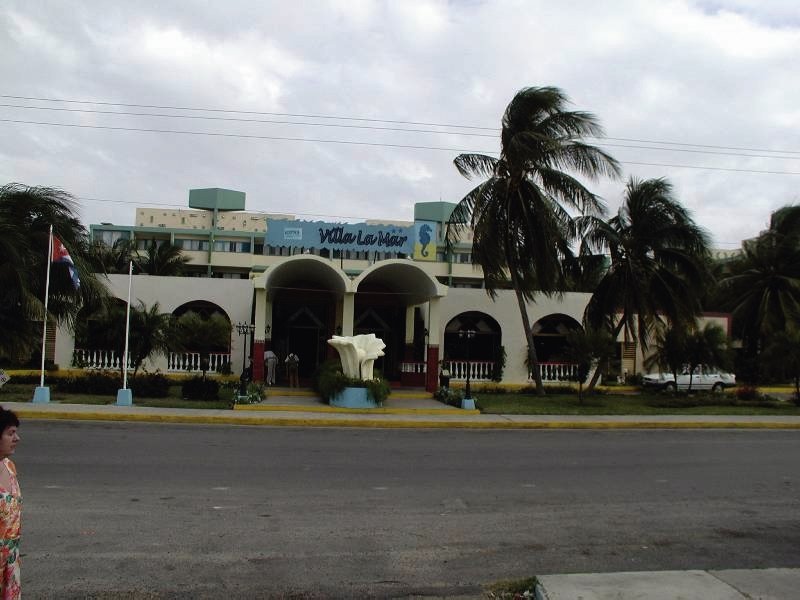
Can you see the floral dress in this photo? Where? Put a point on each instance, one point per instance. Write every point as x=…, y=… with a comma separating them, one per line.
x=10, y=522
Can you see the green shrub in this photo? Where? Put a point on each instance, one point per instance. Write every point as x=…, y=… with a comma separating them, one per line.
x=197, y=388
x=150, y=385
x=449, y=396
x=101, y=383
x=329, y=381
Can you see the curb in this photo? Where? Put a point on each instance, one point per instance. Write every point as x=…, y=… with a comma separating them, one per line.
x=354, y=411
x=383, y=424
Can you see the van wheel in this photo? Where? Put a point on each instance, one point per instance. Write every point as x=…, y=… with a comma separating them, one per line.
x=670, y=387
x=718, y=388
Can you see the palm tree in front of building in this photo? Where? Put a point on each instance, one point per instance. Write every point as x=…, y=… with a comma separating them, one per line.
x=762, y=287
x=658, y=265
x=521, y=214
x=26, y=214
x=161, y=259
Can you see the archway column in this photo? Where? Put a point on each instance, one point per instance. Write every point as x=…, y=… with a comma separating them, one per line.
x=434, y=327
x=348, y=311
x=259, y=340
x=409, y=341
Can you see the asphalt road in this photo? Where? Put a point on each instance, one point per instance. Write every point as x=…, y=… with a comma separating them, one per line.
x=130, y=510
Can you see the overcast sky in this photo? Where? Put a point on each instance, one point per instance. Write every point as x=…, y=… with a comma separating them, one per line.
x=720, y=78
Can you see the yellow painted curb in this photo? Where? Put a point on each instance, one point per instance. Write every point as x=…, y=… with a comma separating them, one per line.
x=354, y=411
x=383, y=424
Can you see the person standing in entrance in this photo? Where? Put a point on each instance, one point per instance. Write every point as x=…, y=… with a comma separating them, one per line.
x=10, y=508
x=292, y=366
x=271, y=360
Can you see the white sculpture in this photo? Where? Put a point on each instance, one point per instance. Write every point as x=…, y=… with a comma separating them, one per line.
x=358, y=354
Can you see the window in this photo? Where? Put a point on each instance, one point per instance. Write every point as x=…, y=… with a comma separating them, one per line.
x=109, y=238
x=192, y=244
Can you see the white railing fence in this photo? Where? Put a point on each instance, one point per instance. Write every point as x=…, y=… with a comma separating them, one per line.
x=182, y=362
x=413, y=367
x=479, y=370
x=177, y=362
x=98, y=359
x=553, y=372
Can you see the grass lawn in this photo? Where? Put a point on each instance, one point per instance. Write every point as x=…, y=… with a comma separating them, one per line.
x=629, y=404
x=23, y=392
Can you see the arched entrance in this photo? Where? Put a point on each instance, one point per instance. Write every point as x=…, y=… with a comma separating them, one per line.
x=205, y=343
x=304, y=293
x=549, y=339
x=386, y=301
x=484, y=350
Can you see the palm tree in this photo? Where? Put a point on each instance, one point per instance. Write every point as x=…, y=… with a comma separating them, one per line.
x=161, y=259
x=26, y=214
x=670, y=351
x=520, y=216
x=658, y=264
x=149, y=332
x=586, y=349
x=782, y=356
x=706, y=346
x=762, y=287
x=113, y=259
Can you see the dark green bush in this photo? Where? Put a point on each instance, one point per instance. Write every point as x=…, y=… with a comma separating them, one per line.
x=198, y=388
x=101, y=383
x=329, y=381
x=150, y=385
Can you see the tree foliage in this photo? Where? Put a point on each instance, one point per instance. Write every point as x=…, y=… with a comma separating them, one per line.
x=658, y=264
x=149, y=331
x=26, y=214
x=521, y=214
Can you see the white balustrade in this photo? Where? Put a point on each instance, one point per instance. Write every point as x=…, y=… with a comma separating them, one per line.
x=183, y=362
x=479, y=370
x=413, y=367
x=553, y=372
x=177, y=362
x=98, y=359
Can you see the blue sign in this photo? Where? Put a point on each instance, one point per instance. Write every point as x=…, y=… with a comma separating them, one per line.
x=340, y=236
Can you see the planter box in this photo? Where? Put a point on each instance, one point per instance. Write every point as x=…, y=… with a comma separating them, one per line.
x=353, y=397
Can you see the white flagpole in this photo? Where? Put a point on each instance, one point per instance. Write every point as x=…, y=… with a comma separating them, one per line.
x=127, y=328
x=46, y=298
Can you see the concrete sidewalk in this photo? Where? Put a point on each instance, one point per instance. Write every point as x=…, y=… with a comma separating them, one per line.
x=403, y=409
x=732, y=584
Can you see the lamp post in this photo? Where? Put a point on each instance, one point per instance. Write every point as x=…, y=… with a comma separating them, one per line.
x=244, y=329
x=467, y=402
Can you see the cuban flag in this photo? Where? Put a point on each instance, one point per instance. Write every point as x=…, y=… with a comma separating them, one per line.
x=61, y=255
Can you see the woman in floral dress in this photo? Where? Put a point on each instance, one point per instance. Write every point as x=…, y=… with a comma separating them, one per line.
x=10, y=508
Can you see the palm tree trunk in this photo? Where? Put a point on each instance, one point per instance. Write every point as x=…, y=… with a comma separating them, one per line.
x=533, y=360
x=596, y=374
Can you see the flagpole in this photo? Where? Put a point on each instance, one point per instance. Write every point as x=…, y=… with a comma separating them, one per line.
x=42, y=394
x=127, y=326
x=124, y=396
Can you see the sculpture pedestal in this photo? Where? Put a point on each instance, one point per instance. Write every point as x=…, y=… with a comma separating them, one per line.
x=353, y=397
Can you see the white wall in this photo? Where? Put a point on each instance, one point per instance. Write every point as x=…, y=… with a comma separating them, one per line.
x=505, y=310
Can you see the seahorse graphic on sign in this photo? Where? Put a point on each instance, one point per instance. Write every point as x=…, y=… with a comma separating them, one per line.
x=425, y=238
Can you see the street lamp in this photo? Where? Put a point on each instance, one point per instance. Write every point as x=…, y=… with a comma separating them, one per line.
x=244, y=329
x=467, y=335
